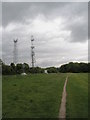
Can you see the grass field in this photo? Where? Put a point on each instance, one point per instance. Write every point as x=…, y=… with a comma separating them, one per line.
x=0, y=96
x=77, y=96
x=37, y=95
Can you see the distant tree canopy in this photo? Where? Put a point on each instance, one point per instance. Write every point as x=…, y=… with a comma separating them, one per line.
x=52, y=70
x=75, y=67
x=0, y=66
x=36, y=70
x=13, y=69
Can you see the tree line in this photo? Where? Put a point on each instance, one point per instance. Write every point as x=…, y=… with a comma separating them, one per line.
x=19, y=68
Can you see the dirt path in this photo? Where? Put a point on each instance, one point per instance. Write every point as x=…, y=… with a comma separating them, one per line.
x=62, y=111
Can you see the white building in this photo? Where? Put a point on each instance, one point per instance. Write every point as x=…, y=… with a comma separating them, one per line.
x=45, y=71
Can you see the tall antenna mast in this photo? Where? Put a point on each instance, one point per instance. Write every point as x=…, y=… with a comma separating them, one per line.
x=32, y=51
x=15, y=51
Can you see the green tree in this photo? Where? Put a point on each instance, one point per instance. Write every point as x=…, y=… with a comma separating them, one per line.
x=19, y=68
x=52, y=70
x=26, y=68
x=36, y=70
x=13, y=68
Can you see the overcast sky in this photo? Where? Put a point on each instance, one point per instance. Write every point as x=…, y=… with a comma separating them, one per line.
x=60, y=31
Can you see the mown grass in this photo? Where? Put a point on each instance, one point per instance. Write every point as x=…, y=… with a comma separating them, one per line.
x=32, y=96
x=0, y=96
x=77, y=95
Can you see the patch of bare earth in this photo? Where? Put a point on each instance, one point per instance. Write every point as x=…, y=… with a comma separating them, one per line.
x=62, y=111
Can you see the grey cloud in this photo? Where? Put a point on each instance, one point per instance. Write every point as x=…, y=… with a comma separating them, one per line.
x=48, y=52
x=79, y=30
x=77, y=21
x=0, y=13
x=80, y=33
x=13, y=12
x=19, y=12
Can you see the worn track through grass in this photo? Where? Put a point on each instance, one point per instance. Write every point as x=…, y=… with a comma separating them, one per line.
x=62, y=112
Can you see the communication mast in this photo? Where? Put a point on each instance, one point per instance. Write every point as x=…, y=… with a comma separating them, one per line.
x=15, y=51
x=32, y=51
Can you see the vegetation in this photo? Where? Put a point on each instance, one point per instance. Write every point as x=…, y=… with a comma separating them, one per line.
x=77, y=96
x=75, y=67
x=13, y=69
x=37, y=95
x=36, y=70
x=52, y=70
x=0, y=96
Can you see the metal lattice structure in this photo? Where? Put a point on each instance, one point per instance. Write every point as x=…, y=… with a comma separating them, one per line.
x=32, y=51
x=15, y=51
